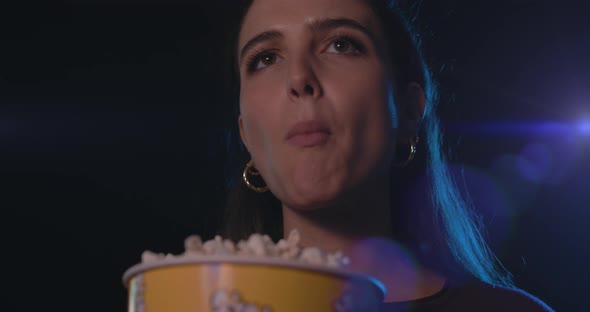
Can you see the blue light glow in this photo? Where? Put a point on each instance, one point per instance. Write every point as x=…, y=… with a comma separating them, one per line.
x=523, y=128
x=584, y=127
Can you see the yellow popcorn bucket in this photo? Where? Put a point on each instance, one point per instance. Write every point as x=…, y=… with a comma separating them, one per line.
x=230, y=283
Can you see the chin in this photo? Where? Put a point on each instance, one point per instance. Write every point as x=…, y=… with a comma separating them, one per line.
x=309, y=205
x=312, y=198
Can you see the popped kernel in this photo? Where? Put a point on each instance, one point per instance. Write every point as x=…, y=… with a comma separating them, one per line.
x=193, y=243
x=148, y=256
x=312, y=255
x=257, y=245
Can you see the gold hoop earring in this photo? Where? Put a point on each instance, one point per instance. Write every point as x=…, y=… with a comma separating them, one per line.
x=413, y=143
x=250, y=169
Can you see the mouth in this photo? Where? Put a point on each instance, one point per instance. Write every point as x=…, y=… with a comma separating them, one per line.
x=308, y=133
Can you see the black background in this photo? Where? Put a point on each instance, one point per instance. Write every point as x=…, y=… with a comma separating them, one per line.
x=111, y=139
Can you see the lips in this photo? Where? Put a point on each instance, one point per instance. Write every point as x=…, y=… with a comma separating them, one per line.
x=308, y=133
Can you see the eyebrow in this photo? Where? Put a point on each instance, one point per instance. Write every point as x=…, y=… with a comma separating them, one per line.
x=317, y=25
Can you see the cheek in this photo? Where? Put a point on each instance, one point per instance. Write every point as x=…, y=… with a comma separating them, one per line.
x=369, y=104
x=371, y=112
x=259, y=116
x=368, y=93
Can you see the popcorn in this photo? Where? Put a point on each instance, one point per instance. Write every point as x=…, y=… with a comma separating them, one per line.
x=312, y=255
x=337, y=259
x=257, y=245
x=229, y=246
x=294, y=238
x=193, y=244
x=148, y=256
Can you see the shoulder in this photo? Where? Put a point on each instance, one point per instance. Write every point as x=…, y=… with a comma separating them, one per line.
x=487, y=297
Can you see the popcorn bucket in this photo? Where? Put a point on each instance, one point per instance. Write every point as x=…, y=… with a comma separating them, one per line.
x=213, y=283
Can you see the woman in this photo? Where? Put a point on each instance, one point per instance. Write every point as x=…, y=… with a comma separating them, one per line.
x=334, y=103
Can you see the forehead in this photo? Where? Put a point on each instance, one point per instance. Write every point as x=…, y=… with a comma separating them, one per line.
x=285, y=15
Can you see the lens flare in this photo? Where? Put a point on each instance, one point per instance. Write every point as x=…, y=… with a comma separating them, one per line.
x=584, y=127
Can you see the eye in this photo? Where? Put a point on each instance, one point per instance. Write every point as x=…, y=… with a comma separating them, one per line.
x=345, y=44
x=260, y=60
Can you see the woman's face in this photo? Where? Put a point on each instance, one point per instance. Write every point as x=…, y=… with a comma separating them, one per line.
x=315, y=68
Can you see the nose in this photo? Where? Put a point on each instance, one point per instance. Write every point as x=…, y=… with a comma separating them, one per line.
x=303, y=81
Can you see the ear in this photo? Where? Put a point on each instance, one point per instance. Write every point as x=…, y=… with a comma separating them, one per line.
x=413, y=105
x=242, y=133
x=416, y=100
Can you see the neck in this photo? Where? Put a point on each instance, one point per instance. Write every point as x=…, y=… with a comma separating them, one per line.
x=360, y=214
x=360, y=226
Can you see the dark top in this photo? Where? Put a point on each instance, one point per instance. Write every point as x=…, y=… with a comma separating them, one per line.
x=472, y=296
